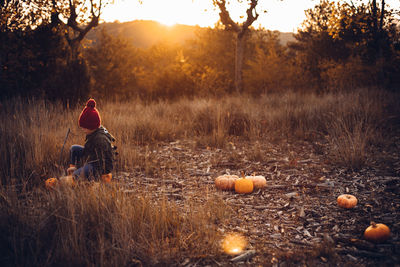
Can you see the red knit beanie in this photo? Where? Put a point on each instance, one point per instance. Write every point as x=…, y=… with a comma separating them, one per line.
x=90, y=117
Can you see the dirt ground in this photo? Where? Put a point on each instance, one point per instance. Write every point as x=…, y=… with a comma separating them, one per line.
x=295, y=220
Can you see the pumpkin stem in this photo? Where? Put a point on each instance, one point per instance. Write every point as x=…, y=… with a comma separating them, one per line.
x=242, y=174
x=373, y=224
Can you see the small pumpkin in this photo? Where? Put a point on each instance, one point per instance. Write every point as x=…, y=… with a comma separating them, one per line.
x=258, y=181
x=377, y=232
x=244, y=185
x=347, y=201
x=106, y=178
x=226, y=182
x=51, y=183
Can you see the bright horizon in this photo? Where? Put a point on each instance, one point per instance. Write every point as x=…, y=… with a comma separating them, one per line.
x=284, y=16
x=202, y=12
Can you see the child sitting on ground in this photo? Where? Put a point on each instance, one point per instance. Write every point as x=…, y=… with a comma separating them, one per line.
x=94, y=160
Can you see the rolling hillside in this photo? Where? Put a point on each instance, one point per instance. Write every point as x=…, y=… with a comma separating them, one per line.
x=145, y=33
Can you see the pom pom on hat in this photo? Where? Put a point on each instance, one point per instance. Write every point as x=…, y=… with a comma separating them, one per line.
x=91, y=103
x=90, y=117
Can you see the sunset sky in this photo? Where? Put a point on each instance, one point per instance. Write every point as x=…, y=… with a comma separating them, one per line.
x=285, y=16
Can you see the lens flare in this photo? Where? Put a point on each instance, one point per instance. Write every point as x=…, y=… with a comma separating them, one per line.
x=234, y=243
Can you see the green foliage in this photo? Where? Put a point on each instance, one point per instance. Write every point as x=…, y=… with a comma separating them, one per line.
x=33, y=64
x=37, y=56
x=22, y=15
x=356, y=41
x=339, y=47
x=164, y=73
x=166, y=70
x=113, y=62
x=268, y=66
x=211, y=55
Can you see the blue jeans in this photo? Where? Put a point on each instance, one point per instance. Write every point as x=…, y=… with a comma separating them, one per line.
x=86, y=171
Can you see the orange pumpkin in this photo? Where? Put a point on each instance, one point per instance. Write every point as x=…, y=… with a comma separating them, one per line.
x=244, y=186
x=258, y=181
x=377, y=232
x=51, y=183
x=226, y=182
x=106, y=178
x=347, y=201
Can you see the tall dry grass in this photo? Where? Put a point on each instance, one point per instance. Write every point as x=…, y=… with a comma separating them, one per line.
x=107, y=227
x=351, y=123
x=97, y=225
x=357, y=126
x=32, y=131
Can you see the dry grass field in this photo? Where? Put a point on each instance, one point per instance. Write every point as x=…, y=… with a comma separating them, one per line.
x=145, y=218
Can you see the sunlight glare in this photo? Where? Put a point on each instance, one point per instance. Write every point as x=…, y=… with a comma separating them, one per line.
x=284, y=16
x=204, y=14
x=165, y=12
x=234, y=243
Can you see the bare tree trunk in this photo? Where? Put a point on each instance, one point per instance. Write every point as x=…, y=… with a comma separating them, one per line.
x=74, y=32
x=239, y=63
x=73, y=51
x=240, y=31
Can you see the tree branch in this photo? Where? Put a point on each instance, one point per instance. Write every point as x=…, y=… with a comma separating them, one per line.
x=72, y=17
x=54, y=14
x=74, y=24
x=227, y=21
x=250, y=16
x=225, y=17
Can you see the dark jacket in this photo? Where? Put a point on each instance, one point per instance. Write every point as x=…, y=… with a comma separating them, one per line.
x=98, y=151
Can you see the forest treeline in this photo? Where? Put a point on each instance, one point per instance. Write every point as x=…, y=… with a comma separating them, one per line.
x=339, y=47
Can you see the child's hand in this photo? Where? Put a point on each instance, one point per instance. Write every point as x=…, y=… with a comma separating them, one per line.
x=71, y=170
